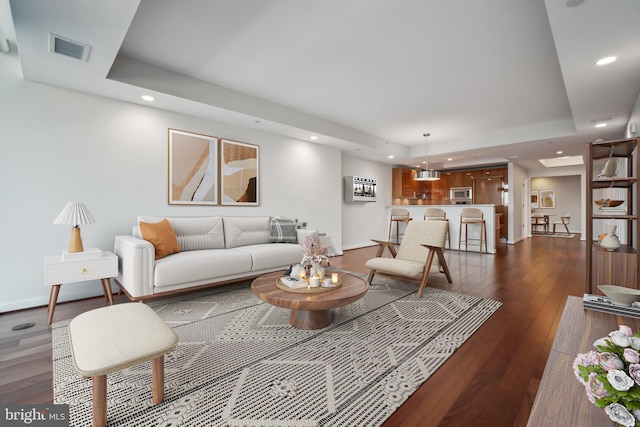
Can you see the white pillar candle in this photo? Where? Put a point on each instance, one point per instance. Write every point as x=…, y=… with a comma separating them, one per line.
x=334, y=278
x=314, y=281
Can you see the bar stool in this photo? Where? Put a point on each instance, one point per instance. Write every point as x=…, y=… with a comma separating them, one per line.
x=398, y=216
x=437, y=214
x=472, y=216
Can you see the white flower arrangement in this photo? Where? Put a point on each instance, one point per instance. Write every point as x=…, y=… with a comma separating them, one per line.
x=611, y=375
x=313, y=251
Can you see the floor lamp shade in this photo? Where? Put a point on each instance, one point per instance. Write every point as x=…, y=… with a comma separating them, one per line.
x=74, y=214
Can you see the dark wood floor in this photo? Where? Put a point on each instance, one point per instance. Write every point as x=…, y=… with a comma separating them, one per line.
x=490, y=381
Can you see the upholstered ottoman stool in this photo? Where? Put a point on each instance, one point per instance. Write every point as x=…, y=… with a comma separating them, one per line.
x=116, y=337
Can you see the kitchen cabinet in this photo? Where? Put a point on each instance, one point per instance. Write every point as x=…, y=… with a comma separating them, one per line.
x=403, y=184
x=619, y=267
x=459, y=179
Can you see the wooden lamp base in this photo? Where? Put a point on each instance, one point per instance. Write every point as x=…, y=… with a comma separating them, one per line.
x=75, y=245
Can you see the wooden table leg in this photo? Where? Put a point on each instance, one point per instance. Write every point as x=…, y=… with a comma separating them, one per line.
x=53, y=298
x=100, y=401
x=106, y=286
x=310, y=319
x=157, y=379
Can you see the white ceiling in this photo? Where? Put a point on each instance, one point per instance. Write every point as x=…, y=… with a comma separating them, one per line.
x=492, y=81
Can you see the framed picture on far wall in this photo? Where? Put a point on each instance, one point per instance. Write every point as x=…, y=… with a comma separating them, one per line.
x=240, y=173
x=548, y=199
x=193, y=168
x=534, y=199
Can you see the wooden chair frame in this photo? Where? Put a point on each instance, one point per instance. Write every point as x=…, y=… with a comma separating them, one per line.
x=433, y=251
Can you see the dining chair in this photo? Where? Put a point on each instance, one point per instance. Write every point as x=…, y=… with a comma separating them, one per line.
x=564, y=220
x=538, y=221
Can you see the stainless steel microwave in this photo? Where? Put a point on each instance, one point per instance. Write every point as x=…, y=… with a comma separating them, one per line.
x=460, y=194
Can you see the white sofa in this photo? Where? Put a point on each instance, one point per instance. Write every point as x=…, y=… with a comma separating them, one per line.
x=213, y=250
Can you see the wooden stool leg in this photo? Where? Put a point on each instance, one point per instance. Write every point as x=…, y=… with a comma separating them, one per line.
x=484, y=227
x=466, y=237
x=99, y=401
x=157, y=381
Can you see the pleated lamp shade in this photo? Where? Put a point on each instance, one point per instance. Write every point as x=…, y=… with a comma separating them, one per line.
x=74, y=214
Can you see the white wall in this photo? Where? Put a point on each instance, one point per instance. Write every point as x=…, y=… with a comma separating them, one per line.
x=518, y=186
x=575, y=201
x=634, y=118
x=569, y=199
x=366, y=220
x=59, y=146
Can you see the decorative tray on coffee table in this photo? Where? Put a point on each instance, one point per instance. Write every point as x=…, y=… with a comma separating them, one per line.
x=307, y=289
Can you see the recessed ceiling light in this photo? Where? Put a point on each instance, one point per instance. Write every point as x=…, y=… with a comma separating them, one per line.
x=148, y=98
x=559, y=152
x=313, y=137
x=391, y=156
x=601, y=125
x=449, y=159
x=606, y=60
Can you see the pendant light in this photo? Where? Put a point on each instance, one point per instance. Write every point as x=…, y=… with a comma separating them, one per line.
x=426, y=174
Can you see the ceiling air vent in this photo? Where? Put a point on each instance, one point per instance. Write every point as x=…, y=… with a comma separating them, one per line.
x=68, y=47
x=574, y=3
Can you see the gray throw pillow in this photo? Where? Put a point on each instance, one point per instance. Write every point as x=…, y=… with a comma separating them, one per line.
x=282, y=230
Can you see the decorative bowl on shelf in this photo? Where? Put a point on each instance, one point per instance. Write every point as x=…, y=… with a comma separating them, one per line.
x=620, y=295
x=608, y=203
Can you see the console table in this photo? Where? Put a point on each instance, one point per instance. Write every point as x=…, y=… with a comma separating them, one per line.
x=561, y=399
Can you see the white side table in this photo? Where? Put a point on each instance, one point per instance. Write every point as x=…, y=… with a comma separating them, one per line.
x=58, y=270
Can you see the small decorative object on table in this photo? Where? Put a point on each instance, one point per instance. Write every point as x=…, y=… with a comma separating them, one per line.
x=620, y=295
x=610, y=242
x=611, y=375
x=609, y=169
x=608, y=203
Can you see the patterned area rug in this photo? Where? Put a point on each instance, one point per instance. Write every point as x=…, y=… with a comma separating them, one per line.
x=564, y=235
x=240, y=363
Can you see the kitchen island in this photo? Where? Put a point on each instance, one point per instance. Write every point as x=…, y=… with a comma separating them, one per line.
x=453, y=215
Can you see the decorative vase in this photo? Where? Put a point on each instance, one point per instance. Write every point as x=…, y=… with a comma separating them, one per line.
x=317, y=270
x=610, y=242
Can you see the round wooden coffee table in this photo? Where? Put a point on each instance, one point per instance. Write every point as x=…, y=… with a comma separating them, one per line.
x=309, y=310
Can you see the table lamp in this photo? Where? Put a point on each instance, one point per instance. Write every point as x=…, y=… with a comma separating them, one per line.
x=75, y=213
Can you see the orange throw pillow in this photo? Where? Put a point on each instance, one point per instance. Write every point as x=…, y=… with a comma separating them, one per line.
x=161, y=236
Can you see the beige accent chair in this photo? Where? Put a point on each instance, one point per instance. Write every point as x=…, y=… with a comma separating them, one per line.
x=414, y=259
x=472, y=216
x=398, y=215
x=564, y=220
x=437, y=214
